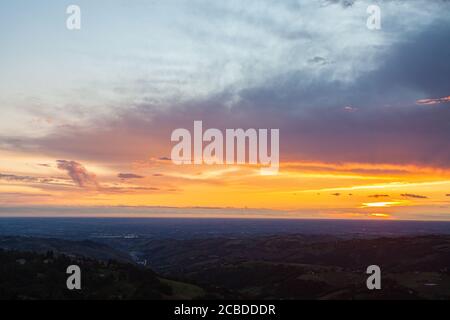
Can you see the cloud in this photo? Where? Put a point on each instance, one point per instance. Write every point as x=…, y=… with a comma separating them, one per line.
x=13, y=177
x=129, y=176
x=388, y=127
x=350, y=109
x=336, y=194
x=128, y=189
x=31, y=179
x=318, y=60
x=77, y=173
x=416, y=196
x=432, y=101
x=379, y=196
x=343, y=3
x=47, y=165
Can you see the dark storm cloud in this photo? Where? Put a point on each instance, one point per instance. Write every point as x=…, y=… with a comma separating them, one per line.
x=420, y=63
x=388, y=126
x=417, y=67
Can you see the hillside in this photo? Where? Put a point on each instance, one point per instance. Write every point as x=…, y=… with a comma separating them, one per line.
x=308, y=267
x=33, y=276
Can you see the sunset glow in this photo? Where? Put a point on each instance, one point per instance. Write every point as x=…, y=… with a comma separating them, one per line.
x=87, y=119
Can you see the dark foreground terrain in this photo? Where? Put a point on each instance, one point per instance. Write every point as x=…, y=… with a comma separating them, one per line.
x=267, y=267
x=32, y=276
x=125, y=264
x=309, y=267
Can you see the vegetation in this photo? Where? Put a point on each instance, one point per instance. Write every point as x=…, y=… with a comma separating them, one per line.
x=26, y=275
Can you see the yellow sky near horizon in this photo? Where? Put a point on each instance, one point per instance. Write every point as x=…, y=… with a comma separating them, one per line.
x=312, y=189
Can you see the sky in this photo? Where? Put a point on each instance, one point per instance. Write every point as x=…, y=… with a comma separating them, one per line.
x=87, y=115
